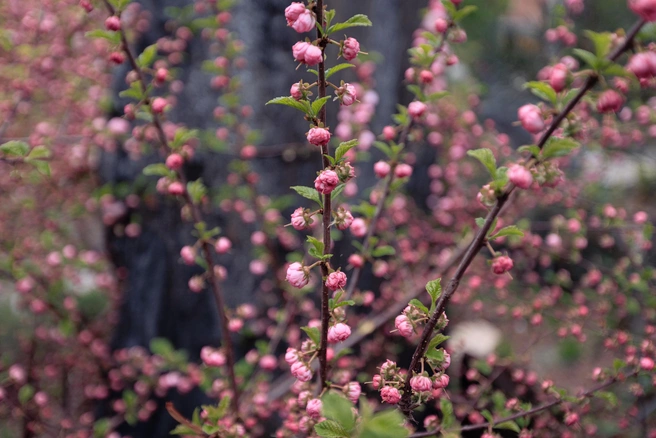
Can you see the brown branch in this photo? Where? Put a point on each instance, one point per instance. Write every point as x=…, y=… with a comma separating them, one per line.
x=479, y=239
x=206, y=248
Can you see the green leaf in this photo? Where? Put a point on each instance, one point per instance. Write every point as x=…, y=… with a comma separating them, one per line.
x=384, y=147
x=559, y=147
x=436, y=341
x=464, y=12
x=161, y=346
x=308, y=192
x=338, y=408
x=434, y=289
x=386, y=424
x=509, y=425
x=436, y=96
x=38, y=153
x=510, y=230
x=384, y=250
x=337, y=68
x=447, y=413
x=197, y=190
x=301, y=105
x=313, y=334
x=43, y=167
x=181, y=429
x=15, y=148
x=588, y=57
x=356, y=20
x=480, y=221
x=602, y=42
x=608, y=396
x=330, y=429
x=112, y=37
x=147, y=57
x=614, y=69
x=134, y=92
x=418, y=304
x=343, y=148
x=542, y=90
x=486, y=157
x=318, y=245
x=157, y=169
x=532, y=148
x=25, y=394
x=318, y=104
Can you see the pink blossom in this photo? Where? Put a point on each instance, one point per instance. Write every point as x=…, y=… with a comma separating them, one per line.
x=338, y=333
x=356, y=260
x=403, y=170
x=646, y=9
x=113, y=23
x=390, y=395
x=296, y=91
x=305, y=22
x=318, y=136
x=268, y=362
x=291, y=356
x=313, y=408
x=441, y=25
x=571, y=419
x=404, y=326
x=336, y=280
x=313, y=55
x=502, y=264
x=520, y=176
x=441, y=382
x=416, y=109
x=389, y=133
x=643, y=65
x=326, y=182
x=222, y=245
x=301, y=371
x=188, y=255
x=353, y=391
x=531, y=118
x=640, y=217
x=358, y=227
x=176, y=188
x=297, y=275
x=350, y=49
x=558, y=77
x=381, y=169
x=647, y=363
x=610, y=101
x=299, y=49
x=293, y=11
x=212, y=357
x=159, y=104
x=196, y=283
x=347, y=94
x=174, y=161
x=299, y=220
x=343, y=218
x=421, y=383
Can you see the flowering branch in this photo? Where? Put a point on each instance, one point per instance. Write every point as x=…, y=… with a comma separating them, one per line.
x=480, y=238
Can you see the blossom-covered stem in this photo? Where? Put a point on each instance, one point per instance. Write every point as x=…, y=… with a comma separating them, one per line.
x=327, y=212
x=543, y=407
x=226, y=341
x=479, y=239
x=355, y=276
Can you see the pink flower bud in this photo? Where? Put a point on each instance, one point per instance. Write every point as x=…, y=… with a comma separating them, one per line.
x=113, y=23
x=159, y=104
x=610, y=101
x=350, y=49
x=421, y=383
x=293, y=11
x=161, y=75
x=212, y=357
x=291, y=356
x=390, y=395
x=318, y=136
x=520, y=176
x=381, y=169
x=196, y=284
x=647, y=363
x=416, y=109
x=313, y=55
x=117, y=57
x=336, y=280
x=296, y=91
x=646, y=9
x=404, y=326
x=343, y=219
x=338, y=333
x=531, y=118
x=299, y=49
x=174, y=161
x=571, y=419
x=176, y=188
x=188, y=255
x=441, y=382
x=502, y=264
x=441, y=25
x=389, y=133
x=643, y=65
x=299, y=219
x=297, y=275
x=326, y=182
x=222, y=245
x=558, y=78
x=356, y=260
x=403, y=170
x=313, y=408
x=358, y=227
x=301, y=372
x=305, y=22
x=347, y=94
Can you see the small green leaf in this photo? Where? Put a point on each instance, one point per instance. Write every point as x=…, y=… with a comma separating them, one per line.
x=330, y=429
x=25, y=394
x=614, y=69
x=532, y=148
x=559, y=147
x=384, y=147
x=464, y=12
x=15, y=148
x=356, y=20
x=181, y=429
x=588, y=57
x=318, y=104
x=447, y=413
x=419, y=305
x=543, y=91
x=608, y=396
x=343, y=148
x=308, y=192
x=112, y=37
x=480, y=221
x=510, y=230
x=301, y=105
x=602, y=42
x=38, y=153
x=313, y=334
x=318, y=245
x=434, y=289
x=436, y=341
x=157, y=169
x=509, y=425
x=161, y=346
x=486, y=157
x=147, y=57
x=196, y=190
x=336, y=407
x=43, y=167
x=386, y=424
x=337, y=68
x=384, y=250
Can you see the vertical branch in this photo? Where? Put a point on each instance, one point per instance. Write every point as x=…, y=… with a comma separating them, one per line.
x=327, y=209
